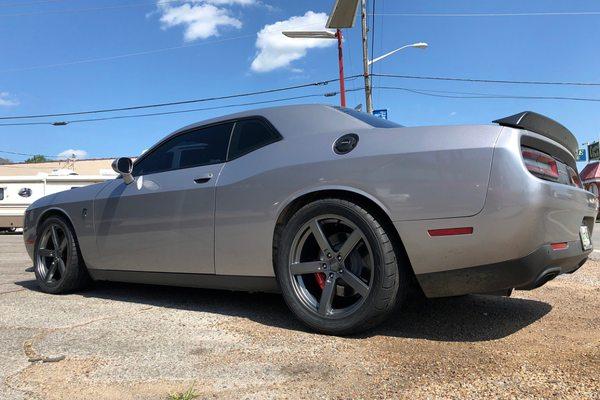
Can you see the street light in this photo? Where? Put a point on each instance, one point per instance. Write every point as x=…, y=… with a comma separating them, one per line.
x=310, y=34
x=342, y=16
x=368, y=64
x=419, y=45
x=326, y=35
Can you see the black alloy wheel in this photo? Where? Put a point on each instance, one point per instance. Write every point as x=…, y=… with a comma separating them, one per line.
x=337, y=268
x=59, y=267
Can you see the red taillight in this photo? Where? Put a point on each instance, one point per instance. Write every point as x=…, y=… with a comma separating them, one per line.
x=559, y=246
x=574, y=178
x=540, y=164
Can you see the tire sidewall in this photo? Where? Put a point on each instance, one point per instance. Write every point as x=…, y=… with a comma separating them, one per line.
x=368, y=309
x=72, y=257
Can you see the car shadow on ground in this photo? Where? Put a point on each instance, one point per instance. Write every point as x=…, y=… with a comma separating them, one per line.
x=470, y=318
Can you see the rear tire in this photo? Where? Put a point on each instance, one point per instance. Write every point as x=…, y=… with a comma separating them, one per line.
x=345, y=278
x=58, y=264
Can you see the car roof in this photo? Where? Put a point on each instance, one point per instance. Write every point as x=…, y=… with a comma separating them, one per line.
x=258, y=112
x=291, y=120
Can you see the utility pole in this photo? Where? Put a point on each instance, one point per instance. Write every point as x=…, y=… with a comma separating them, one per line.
x=338, y=35
x=365, y=46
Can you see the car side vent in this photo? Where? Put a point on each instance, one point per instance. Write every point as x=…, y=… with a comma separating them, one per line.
x=346, y=143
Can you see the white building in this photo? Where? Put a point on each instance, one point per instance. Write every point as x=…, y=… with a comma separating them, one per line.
x=22, y=184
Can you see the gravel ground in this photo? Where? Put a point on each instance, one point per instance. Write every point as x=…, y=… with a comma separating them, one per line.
x=142, y=342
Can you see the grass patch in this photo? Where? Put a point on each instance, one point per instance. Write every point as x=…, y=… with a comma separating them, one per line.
x=189, y=394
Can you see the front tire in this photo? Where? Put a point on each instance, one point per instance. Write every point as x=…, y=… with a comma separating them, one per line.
x=337, y=267
x=58, y=265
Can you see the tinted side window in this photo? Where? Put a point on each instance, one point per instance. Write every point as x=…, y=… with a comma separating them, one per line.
x=202, y=146
x=1, y=193
x=249, y=135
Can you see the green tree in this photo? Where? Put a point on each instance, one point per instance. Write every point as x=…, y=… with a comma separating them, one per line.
x=5, y=161
x=38, y=158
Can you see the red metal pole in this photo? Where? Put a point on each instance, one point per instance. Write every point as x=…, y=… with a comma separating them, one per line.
x=338, y=33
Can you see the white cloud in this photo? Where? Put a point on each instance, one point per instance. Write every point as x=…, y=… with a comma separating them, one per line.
x=231, y=2
x=73, y=153
x=201, y=19
x=6, y=100
x=277, y=51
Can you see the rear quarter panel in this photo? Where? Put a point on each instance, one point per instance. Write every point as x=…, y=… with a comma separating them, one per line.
x=521, y=213
x=413, y=173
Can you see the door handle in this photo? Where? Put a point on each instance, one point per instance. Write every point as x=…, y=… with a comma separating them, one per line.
x=204, y=178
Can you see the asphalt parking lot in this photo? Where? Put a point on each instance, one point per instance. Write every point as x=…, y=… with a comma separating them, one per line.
x=123, y=341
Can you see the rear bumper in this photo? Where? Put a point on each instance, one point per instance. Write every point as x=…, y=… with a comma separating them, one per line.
x=524, y=273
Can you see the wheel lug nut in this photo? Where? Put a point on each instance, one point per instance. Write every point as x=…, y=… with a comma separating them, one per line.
x=328, y=255
x=331, y=275
x=324, y=266
x=339, y=257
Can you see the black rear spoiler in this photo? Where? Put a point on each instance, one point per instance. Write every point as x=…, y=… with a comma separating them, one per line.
x=543, y=125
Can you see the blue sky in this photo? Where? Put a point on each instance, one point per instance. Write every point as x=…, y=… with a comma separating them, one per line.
x=217, y=52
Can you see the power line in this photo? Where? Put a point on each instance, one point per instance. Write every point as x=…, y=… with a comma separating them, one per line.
x=209, y=108
x=425, y=92
x=136, y=53
x=372, y=35
x=174, y=103
x=30, y=3
x=25, y=154
x=125, y=55
x=24, y=123
x=471, y=15
x=147, y=3
x=381, y=35
x=476, y=95
x=90, y=9
x=329, y=94
x=515, y=82
x=320, y=83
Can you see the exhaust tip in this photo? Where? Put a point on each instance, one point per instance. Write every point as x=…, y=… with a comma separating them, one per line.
x=546, y=277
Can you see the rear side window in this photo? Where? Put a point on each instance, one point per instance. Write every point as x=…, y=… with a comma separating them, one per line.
x=1, y=193
x=204, y=146
x=249, y=135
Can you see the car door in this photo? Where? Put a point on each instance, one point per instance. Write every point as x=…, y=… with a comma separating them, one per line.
x=243, y=223
x=164, y=220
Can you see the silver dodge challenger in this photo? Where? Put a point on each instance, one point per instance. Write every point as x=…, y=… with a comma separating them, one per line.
x=339, y=211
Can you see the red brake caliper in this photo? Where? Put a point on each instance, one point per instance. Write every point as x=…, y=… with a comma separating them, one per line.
x=320, y=278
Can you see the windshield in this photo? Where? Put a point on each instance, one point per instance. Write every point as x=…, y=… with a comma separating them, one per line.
x=369, y=119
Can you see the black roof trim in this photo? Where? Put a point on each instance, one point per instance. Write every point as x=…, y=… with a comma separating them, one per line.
x=543, y=125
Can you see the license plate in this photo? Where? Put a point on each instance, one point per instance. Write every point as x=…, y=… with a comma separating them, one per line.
x=584, y=233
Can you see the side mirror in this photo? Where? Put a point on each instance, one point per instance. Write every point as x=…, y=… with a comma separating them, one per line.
x=124, y=166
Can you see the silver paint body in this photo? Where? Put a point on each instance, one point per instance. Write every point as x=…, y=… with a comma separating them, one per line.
x=422, y=178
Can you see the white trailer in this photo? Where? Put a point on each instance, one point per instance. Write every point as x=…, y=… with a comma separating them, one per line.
x=18, y=192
